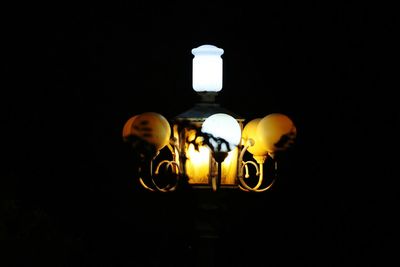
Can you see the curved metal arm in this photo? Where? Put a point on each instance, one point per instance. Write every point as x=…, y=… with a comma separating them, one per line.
x=260, y=173
x=247, y=175
x=145, y=185
x=142, y=182
x=240, y=170
x=169, y=164
x=243, y=184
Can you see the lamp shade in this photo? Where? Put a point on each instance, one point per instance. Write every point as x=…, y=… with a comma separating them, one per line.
x=276, y=132
x=149, y=126
x=221, y=125
x=250, y=133
x=207, y=68
x=127, y=130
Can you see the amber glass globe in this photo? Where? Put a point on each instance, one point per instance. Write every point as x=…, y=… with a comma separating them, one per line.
x=276, y=132
x=149, y=126
x=250, y=133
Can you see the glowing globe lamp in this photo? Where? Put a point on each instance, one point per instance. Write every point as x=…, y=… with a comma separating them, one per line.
x=151, y=127
x=222, y=126
x=250, y=137
x=276, y=132
x=207, y=68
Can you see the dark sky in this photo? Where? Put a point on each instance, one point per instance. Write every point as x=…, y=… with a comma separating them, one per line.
x=78, y=71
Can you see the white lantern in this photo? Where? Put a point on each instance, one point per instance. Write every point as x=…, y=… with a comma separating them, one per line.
x=223, y=126
x=207, y=68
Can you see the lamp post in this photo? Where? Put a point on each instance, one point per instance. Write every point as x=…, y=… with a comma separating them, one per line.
x=208, y=146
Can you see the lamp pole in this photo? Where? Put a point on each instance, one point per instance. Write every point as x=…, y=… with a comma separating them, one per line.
x=209, y=227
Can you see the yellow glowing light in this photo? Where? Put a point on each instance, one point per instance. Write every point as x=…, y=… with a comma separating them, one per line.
x=150, y=126
x=198, y=164
x=127, y=130
x=250, y=132
x=276, y=132
x=229, y=168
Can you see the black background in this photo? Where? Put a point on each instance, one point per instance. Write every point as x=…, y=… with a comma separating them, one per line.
x=75, y=72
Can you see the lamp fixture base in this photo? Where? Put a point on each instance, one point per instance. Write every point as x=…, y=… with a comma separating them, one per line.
x=207, y=97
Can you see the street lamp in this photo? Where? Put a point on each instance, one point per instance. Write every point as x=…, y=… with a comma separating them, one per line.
x=208, y=146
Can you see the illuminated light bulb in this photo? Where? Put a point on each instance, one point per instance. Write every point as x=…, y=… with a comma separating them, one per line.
x=250, y=132
x=276, y=132
x=153, y=128
x=221, y=125
x=207, y=68
x=127, y=130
